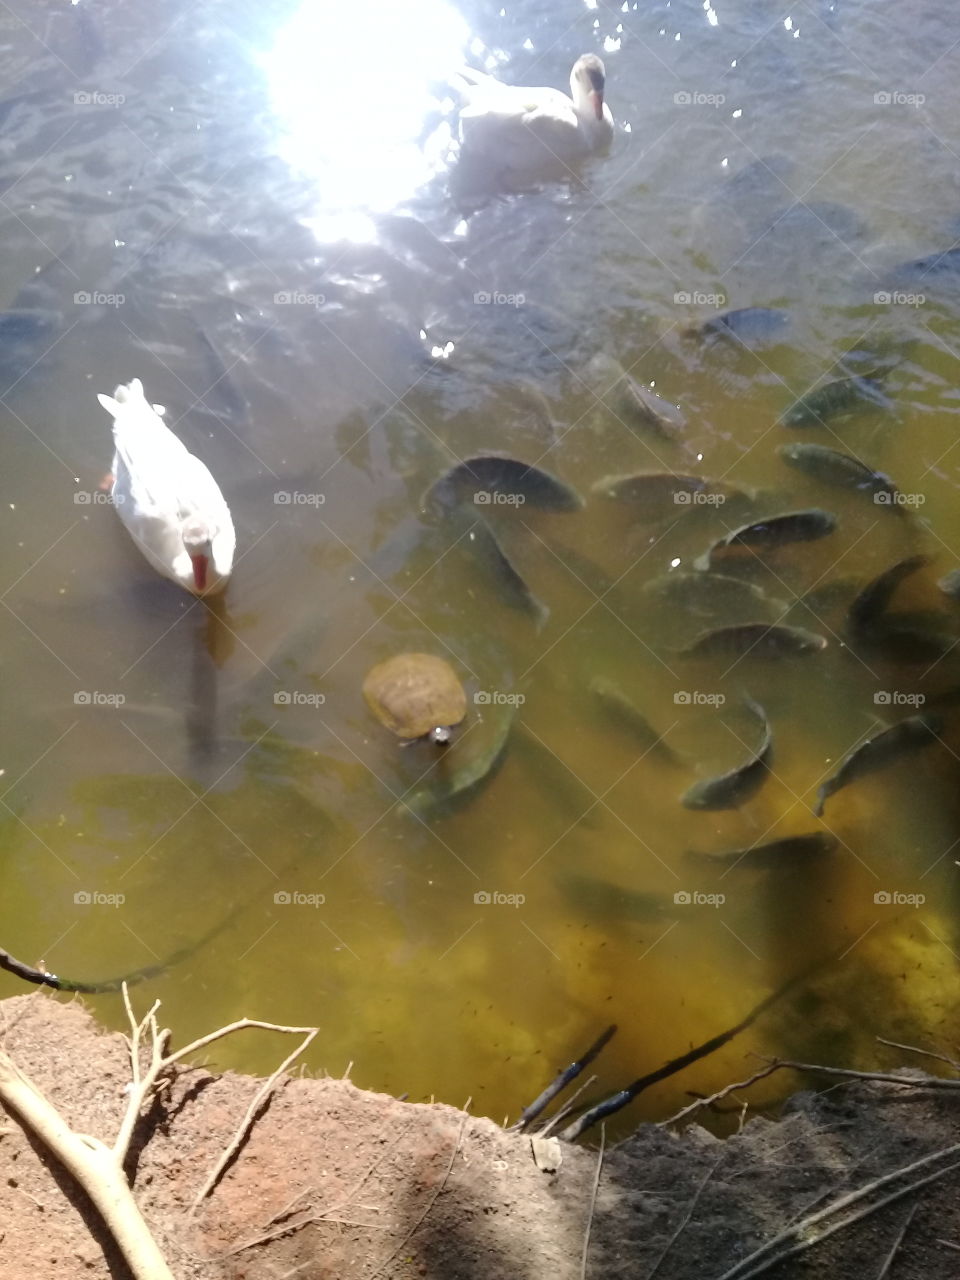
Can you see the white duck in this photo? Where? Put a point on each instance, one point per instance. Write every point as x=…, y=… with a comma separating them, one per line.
x=523, y=130
x=169, y=501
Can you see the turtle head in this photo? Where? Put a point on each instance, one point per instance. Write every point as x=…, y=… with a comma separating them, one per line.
x=440, y=735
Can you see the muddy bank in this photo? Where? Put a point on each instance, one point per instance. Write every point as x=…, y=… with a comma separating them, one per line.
x=338, y=1182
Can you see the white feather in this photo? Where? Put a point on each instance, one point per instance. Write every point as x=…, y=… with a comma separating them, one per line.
x=159, y=487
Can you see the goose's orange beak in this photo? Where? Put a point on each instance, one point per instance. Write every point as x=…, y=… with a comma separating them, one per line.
x=199, y=572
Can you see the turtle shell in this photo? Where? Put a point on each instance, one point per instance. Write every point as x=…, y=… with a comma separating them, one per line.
x=415, y=693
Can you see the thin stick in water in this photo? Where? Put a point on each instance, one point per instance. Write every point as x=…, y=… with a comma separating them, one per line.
x=563, y=1079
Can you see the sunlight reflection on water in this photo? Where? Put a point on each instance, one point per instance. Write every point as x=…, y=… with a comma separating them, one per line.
x=355, y=89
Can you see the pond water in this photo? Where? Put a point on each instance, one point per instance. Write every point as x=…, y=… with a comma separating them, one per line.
x=251, y=208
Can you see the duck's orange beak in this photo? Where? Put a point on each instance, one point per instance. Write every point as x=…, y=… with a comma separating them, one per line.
x=596, y=97
x=199, y=572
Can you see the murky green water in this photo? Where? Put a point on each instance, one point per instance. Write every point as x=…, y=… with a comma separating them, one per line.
x=270, y=244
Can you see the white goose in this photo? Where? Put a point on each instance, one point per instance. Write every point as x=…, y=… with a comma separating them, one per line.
x=523, y=130
x=169, y=501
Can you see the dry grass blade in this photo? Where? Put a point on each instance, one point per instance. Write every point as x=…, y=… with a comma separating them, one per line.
x=593, y=1203
x=686, y=1217
x=895, y=1247
x=433, y=1200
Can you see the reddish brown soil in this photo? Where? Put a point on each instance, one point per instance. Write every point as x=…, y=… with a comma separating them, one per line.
x=350, y=1184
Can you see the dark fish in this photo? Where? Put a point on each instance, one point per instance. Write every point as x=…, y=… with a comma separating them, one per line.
x=871, y=603
x=732, y=789
x=826, y=220
x=584, y=569
x=834, y=467
x=623, y=713
x=706, y=594
x=902, y=643
x=24, y=325
x=636, y=404
x=949, y=584
x=775, y=852
x=558, y=780
x=876, y=753
x=658, y=494
x=495, y=479
x=935, y=267
x=829, y=596
x=485, y=545
x=612, y=901
x=639, y=405
x=775, y=531
x=540, y=414
x=755, y=178
x=222, y=388
x=26, y=335
x=467, y=766
x=843, y=396
x=749, y=326
x=756, y=639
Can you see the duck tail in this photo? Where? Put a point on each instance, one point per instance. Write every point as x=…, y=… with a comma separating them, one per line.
x=130, y=393
x=127, y=396
x=466, y=78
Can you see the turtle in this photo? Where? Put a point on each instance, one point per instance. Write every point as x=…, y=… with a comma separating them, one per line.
x=416, y=695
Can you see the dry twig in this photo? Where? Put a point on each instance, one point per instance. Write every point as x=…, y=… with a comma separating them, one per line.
x=884, y=1077
x=926, y=1053
x=98, y=1168
x=721, y=1093
x=767, y=1255
x=248, y=1118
